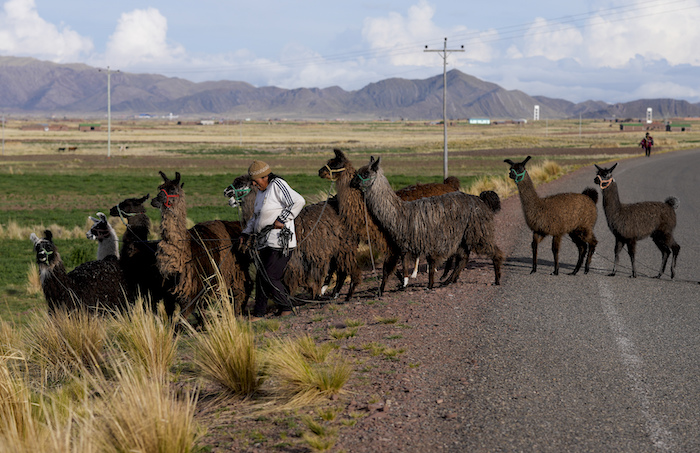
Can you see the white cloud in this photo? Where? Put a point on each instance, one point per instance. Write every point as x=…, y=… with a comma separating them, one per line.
x=23, y=32
x=141, y=36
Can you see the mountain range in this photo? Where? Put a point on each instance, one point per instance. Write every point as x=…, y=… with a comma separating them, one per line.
x=33, y=87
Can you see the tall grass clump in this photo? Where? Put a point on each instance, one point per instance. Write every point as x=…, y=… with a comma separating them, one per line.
x=226, y=352
x=299, y=377
x=148, y=340
x=33, y=285
x=65, y=342
x=142, y=414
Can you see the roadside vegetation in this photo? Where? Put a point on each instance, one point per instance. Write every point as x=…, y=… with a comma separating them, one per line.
x=79, y=383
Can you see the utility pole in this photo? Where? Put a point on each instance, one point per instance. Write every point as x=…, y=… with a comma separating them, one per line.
x=443, y=53
x=109, y=111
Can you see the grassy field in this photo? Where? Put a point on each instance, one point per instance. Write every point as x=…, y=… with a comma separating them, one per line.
x=42, y=187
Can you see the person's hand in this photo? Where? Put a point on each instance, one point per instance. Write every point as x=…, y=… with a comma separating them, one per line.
x=278, y=225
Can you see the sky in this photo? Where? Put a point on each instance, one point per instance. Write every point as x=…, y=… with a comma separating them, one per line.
x=603, y=50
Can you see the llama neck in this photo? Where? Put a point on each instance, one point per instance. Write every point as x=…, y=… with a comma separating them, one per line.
x=350, y=200
x=108, y=246
x=137, y=231
x=385, y=205
x=248, y=206
x=529, y=200
x=174, y=248
x=611, y=200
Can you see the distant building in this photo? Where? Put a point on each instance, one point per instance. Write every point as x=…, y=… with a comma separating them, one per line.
x=86, y=127
x=677, y=127
x=479, y=120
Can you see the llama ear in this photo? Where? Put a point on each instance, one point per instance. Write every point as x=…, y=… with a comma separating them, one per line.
x=48, y=235
x=34, y=238
x=102, y=216
x=144, y=198
x=509, y=162
x=94, y=220
x=339, y=154
x=371, y=159
x=596, y=166
x=526, y=159
x=177, y=177
x=375, y=164
x=613, y=167
x=162, y=175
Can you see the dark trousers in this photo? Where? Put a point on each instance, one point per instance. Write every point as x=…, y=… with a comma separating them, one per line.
x=269, y=285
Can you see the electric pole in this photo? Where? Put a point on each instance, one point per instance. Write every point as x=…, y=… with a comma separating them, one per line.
x=443, y=53
x=109, y=111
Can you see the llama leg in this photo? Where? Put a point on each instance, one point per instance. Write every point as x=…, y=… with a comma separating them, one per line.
x=618, y=248
x=387, y=269
x=431, y=272
x=415, y=269
x=340, y=276
x=631, y=250
x=536, y=239
x=497, y=259
x=661, y=241
x=676, y=249
x=556, y=243
x=582, y=247
x=592, y=242
x=457, y=265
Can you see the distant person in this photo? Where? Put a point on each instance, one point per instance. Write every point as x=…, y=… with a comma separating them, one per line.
x=276, y=206
x=646, y=143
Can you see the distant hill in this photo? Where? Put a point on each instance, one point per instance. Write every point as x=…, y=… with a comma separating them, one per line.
x=32, y=87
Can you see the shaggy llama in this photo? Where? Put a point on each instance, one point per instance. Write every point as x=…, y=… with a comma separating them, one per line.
x=198, y=256
x=450, y=225
x=574, y=214
x=632, y=222
x=323, y=244
x=102, y=232
x=95, y=285
x=364, y=228
x=138, y=254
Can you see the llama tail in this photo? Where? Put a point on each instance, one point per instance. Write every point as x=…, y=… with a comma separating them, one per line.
x=453, y=182
x=591, y=193
x=491, y=199
x=674, y=202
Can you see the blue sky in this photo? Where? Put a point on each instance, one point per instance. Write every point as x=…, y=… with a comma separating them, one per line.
x=614, y=51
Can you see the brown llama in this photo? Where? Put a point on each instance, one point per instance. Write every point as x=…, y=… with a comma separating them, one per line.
x=635, y=221
x=574, y=214
x=138, y=255
x=96, y=285
x=323, y=245
x=364, y=228
x=445, y=226
x=195, y=257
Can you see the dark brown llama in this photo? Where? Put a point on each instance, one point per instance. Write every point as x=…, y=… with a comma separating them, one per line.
x=632, y=222
x=445, y=226
x=323, y=245
x=574, y=214
x=98, y=286
x=138, y=255
x=195, y=257
x=364, y=227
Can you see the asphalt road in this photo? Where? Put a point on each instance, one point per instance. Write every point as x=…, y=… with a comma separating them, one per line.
x=592, y=362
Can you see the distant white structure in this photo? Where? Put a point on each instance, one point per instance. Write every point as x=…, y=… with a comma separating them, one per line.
x=537, y=113
x=649, y=115
x=479, y=121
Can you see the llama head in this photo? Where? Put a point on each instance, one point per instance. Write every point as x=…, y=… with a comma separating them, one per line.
x=168, y=192
x=603, y=176
x=46, y=252
x=517, y=169
x=100, y=229
x=334, y=166
x=239, y=189
x=365, y=176
x=129, y=207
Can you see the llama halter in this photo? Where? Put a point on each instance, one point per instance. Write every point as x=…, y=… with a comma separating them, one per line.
x=364, y=182
x=518, y=176
x=239, y=194
x=168, y=203
x=604, y=183
x=332, y=171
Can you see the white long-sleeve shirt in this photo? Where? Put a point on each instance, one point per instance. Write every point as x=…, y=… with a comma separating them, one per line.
x=277, y=202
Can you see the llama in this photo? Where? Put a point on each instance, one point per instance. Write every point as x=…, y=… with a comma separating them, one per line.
x=439, y=227
x=574, y=214
x=323, y=245
x=138, y=254
x=95, y=285
x=196, y=256
x=632, y=222
x=352, y=210
x=102, y=232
